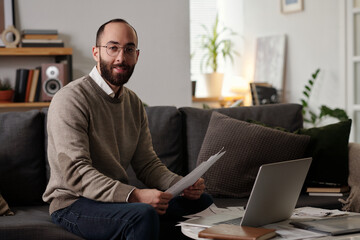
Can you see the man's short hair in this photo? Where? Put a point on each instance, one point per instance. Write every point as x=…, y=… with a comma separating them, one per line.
x=102, y=27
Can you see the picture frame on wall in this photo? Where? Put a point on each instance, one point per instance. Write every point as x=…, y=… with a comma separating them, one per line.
x=7, y=18
x=290, y=6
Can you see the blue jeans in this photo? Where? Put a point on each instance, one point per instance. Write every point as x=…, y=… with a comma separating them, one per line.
x=131, y=221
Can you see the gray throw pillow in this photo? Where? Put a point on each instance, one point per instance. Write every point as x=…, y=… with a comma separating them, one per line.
x=22, y=157
x=247, y=146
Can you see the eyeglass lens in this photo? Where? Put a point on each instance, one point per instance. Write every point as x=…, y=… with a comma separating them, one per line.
x=114, y=49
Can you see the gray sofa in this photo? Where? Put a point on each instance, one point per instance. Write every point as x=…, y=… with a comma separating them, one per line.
x=177, y=136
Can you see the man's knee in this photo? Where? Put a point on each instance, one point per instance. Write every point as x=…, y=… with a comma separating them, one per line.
x=147, y=212
x=146, y=225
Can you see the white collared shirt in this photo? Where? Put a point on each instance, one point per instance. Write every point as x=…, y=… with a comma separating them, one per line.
x=95, y=75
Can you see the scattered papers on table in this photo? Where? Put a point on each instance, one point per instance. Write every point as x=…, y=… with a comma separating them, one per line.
x=312, y=212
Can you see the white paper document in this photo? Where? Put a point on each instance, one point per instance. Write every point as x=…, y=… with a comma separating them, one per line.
x=316, y=213
x=192, y=177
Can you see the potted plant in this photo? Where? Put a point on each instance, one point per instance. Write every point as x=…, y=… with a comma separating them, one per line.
x=216, y=46
x=6, y=92
x=311, y=117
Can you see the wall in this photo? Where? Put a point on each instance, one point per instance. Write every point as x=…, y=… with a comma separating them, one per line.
x=315, y=39
x=162, y=75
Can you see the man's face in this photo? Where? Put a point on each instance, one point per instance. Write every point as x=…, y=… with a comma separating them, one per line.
x=117, y=67
x=116, y=74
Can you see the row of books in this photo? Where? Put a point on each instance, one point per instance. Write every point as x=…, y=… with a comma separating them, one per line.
x=41, y=38
x=28, y=85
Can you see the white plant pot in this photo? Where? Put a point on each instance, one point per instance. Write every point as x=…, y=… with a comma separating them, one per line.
x=213, y=84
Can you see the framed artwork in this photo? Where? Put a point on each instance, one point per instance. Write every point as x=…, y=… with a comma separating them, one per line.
x=270, y=60
x=289, y=6
x=7, y=17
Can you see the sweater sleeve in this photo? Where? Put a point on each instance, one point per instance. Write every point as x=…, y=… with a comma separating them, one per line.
x=147, y=166
x=72, y=171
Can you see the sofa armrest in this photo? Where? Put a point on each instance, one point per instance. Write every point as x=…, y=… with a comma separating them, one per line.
x=352, y=203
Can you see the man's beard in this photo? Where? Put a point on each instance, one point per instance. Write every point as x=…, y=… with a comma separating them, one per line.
x=117, y=79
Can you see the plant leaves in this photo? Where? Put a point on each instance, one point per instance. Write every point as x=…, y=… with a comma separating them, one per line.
x=335, y=113
x=304, y=103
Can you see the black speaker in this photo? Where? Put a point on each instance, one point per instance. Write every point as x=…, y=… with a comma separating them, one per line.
x=53, y=77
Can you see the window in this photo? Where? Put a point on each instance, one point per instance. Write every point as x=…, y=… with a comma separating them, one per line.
x=201, y=13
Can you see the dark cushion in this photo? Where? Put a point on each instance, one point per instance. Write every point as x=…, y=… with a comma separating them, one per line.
x=196, y=121
x=32, y=223
x=247, y=146
x=329, y=149
x=4, y=208
x=22, y=171
x=165, y=127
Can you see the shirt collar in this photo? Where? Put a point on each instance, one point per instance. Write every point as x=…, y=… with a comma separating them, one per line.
x=95, y=75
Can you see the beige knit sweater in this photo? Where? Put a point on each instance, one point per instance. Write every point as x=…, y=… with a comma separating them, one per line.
x=92, y=139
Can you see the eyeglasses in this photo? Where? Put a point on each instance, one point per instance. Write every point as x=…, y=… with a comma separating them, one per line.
x=113, y=49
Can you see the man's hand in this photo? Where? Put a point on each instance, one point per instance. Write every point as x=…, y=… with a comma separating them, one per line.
x=194, y=192
x=159, y=200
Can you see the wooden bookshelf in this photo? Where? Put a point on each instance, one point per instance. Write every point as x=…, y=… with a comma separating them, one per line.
x=24, y=105
x=60, y=54
x=35, y=51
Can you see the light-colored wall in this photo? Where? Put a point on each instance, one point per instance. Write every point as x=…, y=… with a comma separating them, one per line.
x=162, y=75
x=315, y=39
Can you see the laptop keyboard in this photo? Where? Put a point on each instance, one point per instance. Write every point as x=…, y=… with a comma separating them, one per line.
x=234, y=221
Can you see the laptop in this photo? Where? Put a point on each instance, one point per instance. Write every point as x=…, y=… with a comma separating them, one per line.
x=273, y=197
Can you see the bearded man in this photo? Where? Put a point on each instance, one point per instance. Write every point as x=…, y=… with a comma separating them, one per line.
x=96, y=129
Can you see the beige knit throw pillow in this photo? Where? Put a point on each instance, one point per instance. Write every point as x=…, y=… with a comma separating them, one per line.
x=4, y=208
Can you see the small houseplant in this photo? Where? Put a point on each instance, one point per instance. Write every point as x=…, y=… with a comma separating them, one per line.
x=310, y=116
x=216, y=46
x=6, y=92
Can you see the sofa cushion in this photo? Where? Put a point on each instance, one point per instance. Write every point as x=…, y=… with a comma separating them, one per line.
x=32, y=223
x=165, y=127
x=196, y=121
x=329, y=149
x=22, y=172
x=4, y=208
x=247, y=146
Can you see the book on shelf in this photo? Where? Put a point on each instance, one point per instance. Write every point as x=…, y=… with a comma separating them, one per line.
x=40, y=36
x=34, y=84
x=328, y=189
x=28, y=85
x=236, y=232
x=39, y=32
x=21, y=84
x=42, y=43
x=37, y=97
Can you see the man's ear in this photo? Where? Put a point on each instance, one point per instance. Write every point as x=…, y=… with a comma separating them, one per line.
x=95, y=53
